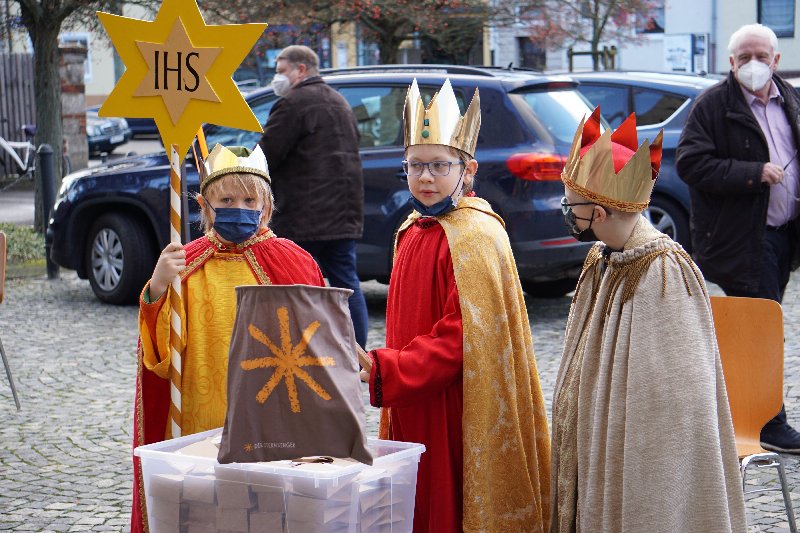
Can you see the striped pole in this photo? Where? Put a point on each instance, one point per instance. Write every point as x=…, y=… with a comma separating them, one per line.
x=176, y=366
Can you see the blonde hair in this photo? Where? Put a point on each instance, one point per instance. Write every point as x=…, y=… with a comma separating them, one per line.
x=249, y=184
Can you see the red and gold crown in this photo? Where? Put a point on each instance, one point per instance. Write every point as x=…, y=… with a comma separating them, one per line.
x=441, y=122
x=612, y=169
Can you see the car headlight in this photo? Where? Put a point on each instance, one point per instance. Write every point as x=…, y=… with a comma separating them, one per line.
x=92, y=131
x=123, y=124
x=66, y=185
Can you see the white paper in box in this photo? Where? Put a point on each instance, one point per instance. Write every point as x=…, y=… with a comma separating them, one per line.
x=377, y=494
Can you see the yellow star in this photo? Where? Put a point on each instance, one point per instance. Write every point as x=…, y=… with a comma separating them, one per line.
x=288, y=361
x=179, y=27
x=183, y=68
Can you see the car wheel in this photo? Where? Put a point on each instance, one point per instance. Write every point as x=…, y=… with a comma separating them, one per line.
x=549, y=289
x=670, y=218
x=119, y=258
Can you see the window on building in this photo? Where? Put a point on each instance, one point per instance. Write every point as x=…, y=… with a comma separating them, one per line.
x=531, y=55
x=777, y=15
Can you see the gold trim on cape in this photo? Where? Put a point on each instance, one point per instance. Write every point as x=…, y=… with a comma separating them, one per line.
x=506, y=441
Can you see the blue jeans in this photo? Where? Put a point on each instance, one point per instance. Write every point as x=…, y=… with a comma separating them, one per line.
x=337, y=260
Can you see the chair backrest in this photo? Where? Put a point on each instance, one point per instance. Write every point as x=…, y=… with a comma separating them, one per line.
x=750, y=337
x=2, y=264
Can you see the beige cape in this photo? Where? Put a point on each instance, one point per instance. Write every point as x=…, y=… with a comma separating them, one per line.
x=655, y=450
x=506, y=438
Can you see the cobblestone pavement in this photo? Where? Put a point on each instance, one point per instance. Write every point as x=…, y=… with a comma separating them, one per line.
x=65, y=458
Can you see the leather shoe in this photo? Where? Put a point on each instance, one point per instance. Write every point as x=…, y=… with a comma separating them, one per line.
x=781, y=438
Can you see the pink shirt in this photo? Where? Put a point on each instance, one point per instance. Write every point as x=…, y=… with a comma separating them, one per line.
x=783, y=198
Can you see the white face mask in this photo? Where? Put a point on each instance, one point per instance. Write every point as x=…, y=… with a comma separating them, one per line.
x=754, y=75
x=281, y=85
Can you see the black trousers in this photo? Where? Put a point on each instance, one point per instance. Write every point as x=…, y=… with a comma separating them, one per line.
x=776, y=266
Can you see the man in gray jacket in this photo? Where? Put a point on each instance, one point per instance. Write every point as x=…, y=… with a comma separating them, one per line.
x=311, y=143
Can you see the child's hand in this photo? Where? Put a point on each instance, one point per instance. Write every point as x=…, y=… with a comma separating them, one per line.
x=366, y=363
x=170, y=263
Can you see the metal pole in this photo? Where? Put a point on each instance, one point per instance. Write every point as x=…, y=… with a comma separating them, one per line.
x=48, y=175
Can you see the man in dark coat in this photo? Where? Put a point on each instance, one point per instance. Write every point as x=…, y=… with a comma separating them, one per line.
x=311, y=144
x=738, y=153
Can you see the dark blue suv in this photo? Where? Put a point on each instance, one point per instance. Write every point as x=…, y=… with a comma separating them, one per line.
x=109, y=223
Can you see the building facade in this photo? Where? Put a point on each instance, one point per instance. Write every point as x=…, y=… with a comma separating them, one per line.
x=681, y=35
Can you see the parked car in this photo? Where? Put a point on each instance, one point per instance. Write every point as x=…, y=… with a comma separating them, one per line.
x=138, y=126
x=660, y=100
x=110, y=222
x=105, y=133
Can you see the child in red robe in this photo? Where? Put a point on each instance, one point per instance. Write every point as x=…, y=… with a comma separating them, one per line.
x=458, y=373
x=237, y=249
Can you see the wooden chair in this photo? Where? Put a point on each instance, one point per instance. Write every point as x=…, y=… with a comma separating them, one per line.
x=750, y=337
x=2, y=285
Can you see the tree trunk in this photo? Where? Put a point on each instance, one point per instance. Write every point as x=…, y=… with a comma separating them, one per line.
x=595, y=54
x=388, y=49
x=47, y=88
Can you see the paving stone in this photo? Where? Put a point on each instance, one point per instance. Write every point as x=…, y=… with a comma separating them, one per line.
x=65, y=458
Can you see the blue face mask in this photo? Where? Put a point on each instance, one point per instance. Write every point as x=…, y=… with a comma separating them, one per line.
x=234, y=224
x=445, y=205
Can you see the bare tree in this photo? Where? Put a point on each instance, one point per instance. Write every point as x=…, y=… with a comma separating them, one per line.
x=559, y=23
x=389, y=23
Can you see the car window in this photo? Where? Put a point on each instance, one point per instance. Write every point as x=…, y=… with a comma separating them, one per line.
x=556, y=113
x=379, y=111
x=236, y=137
x=654, y=107
x=613, y=101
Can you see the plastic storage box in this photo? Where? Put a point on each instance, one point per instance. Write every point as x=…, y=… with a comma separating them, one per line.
x=189, y=494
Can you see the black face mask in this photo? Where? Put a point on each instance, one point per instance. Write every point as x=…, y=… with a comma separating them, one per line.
x=586, y=235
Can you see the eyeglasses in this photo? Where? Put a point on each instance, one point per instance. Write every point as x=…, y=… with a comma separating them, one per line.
x=436, y=168
x=569, y=215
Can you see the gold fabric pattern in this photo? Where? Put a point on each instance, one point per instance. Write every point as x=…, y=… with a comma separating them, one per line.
x=616, y=393
x=506, y=437
x=209, y=304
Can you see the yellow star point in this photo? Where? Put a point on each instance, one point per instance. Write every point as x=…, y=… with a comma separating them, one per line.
x=288, y=361
x=179, y=27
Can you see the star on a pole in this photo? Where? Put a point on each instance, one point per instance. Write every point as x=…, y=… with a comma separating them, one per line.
x=179, y=71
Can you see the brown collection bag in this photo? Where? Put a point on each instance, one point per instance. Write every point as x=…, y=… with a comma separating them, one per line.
x=293, y=383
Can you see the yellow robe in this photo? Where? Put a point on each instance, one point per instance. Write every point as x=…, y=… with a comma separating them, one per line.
x=204, y=393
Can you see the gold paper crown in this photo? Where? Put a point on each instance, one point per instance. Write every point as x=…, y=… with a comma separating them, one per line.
x=441, y=122
x=229, y=160
x=593, y=175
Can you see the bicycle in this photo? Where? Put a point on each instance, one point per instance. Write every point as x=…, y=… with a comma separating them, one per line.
x=23, y=156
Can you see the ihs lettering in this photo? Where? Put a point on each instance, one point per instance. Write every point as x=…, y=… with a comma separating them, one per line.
x=165, y=69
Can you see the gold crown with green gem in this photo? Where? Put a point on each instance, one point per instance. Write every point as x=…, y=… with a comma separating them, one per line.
x=441, y=122
x=231, y=160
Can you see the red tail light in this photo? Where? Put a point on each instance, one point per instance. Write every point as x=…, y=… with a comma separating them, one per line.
x=536, y=166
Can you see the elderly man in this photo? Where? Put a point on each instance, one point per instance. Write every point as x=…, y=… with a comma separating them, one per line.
x=738, y=153
x=311, y=143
